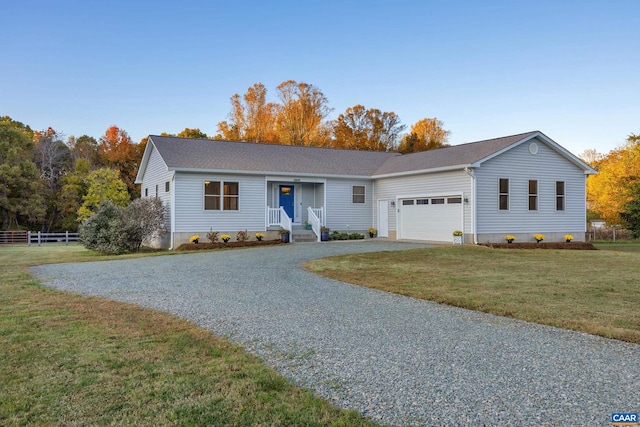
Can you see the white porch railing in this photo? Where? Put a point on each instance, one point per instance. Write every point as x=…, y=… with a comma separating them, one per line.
x=319, y=212
x=278, y=217
x=315, y=222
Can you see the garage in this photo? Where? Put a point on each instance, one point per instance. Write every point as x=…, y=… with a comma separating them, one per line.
x=430, y=218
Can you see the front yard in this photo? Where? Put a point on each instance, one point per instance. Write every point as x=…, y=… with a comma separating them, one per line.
x=597, y=292
x=70, y=360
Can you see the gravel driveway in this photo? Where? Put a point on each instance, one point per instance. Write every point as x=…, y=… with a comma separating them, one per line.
x=397, y=360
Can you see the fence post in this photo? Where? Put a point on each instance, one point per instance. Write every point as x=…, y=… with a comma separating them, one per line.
x=28, y=238
x=39, y=238
x=67, y=238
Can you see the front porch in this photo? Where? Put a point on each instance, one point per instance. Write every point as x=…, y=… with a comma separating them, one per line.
x=292, y=205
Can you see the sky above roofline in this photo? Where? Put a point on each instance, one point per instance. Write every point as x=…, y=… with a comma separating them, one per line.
x=486, y=69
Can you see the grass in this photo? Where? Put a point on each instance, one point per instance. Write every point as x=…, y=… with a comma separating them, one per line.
x=624, y=246
x=597, y=292
x=70, y=360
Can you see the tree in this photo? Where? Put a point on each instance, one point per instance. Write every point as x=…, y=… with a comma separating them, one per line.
x=591, y=157
x=73, y=188
x=631, y=212
x=52, y=157
x=118, y=152
x=251, y=119
x=192, y=133
x=361, y=129
x=20, y=183
x=146, y=218
x=84, y=147
x=103, y=184
x=425, y=134
x=612, y=188
x=301, y=117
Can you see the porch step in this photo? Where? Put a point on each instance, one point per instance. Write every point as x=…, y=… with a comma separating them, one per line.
x=302, y=235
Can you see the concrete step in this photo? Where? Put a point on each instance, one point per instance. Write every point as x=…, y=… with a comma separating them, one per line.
x=302, y=235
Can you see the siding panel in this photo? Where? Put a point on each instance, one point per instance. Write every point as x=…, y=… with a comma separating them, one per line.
x=192, y=217
x=341, y=213
x=520, y=166
x=156, y=173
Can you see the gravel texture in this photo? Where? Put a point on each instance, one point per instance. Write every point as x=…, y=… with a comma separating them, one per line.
x=397, y=360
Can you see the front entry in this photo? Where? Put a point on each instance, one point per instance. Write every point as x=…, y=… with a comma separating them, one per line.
x=287, y=199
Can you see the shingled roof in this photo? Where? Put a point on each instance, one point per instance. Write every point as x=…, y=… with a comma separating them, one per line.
x=212, y=155
x=455, y=155
x=228, y=156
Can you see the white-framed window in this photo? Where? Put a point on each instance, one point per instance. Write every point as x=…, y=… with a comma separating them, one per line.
x=358, y=193
x=560, y=193
x=503, y=194
x=221, y=195
x=533, y=195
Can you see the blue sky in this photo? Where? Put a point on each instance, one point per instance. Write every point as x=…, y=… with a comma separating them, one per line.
x=486, y=69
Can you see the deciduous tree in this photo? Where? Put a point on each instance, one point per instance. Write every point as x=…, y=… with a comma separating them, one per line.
x=302, y=114
x=20, y=183
x=361, y=129
x=192, y=133
x=612, y=188
x=118, y=152
x=103, y=184
x=425, y=134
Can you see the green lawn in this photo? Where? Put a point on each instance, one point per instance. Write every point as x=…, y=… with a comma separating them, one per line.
x=622, y=246
x=597, y=292
x=70, y=360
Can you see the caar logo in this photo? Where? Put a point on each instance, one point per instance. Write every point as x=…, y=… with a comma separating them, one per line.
x=624, y=419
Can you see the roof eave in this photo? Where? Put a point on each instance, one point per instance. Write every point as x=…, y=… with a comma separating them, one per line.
x=422, y=171
x=267, y=173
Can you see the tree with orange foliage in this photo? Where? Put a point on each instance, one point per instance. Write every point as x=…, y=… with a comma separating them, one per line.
x=118, y=152
x=617, y=181
x=361, y=129
x=425, y=134
x=251, y=119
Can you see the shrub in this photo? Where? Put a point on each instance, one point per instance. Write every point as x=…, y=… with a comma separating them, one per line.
x=356, y=236
x=194, y=239
x=225, y=238
x=538, y=237
x=259, y=236
x=115, y=230
x=241, y=236
x=213, y=236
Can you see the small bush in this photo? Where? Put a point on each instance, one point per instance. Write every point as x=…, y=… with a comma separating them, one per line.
x=336, y=235
x=213, y=236
x=241, y=236
x=356, y=236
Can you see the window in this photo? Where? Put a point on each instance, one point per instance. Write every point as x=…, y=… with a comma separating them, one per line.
x=212, y=195
x=215, y=200
x=503, y=198
x=559, y=195
x=146, y=192
x=452, y=200
x=156, y=190
x=166, y=187
x=533, y=195
x=438, y=201
x=231, y=196
x=358, y=194
x=407, y=202
x=422, y=202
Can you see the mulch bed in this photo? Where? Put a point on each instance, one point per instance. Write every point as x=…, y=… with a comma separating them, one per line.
x=581, y=246
x=221, y=245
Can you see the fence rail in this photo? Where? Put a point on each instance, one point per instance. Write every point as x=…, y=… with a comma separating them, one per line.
x=21, y=237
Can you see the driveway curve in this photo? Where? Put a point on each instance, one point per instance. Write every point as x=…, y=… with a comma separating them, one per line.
x=397, y=360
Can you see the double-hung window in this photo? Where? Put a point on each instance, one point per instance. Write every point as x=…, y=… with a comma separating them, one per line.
x=358, y=194
x=503, y=191
x=219, y=195
x=559, y=195
x=533, y=195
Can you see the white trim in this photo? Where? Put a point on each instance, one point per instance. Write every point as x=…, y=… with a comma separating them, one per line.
x=421, y=171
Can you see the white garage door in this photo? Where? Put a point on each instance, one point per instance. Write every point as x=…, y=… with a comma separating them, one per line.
x=430, y=218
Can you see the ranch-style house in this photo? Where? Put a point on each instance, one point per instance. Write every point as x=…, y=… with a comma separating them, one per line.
x=517, y=185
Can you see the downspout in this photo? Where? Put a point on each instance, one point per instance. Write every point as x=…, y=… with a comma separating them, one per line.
x=173, y=209
x=470, y=172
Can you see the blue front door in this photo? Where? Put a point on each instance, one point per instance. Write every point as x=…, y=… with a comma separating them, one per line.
x=287, y=199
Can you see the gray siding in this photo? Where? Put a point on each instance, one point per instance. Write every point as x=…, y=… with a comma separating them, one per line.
x=189, y=198
x=442, y=183
x=156, y=173
x=341, y=213
x=520, y=166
